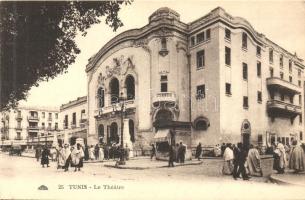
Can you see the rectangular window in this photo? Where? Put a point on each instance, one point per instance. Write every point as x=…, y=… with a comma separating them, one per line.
x=56, y=126
x=301, y=135
x=299, y=83
x=282, y=97
x=300, y=100
x=56, y=115
x=282, y=75
x=271, y=55
x=245, y=71
x=271, y=72
x=74, y=118
x=42, y=125
x=290, y=79
x=259, y=96
x=291, y=99
x=259, y=70
x=192, y=41
x=228, y=88
x=244, y=40
x=245, y=102
x=49, y=125
x=300, y=119
x=281, y=61
x=258, y=51
x=19, y=124
x=228, y=56
x=260, y=139
x=200, y=92
x=208, y=34
x=200, y=37
x=228, y=34
x=163, y=80
x=299, y=73
x=43, y=114
x=66, y=121
x=164, y=87
x=290, y=66
x=200, y=59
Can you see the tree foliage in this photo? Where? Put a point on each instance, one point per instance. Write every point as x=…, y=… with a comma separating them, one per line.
x=37, y=40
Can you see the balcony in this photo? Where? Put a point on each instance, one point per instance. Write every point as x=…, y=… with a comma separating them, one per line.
x=33, y=128
x=50, y=119
x=278, y=108
x=109, y=109
x=275, y=83
x=18, y=128
x=18, y=138
x=33, y=118
x=82, y=123
x=19, y=117
x=163, y=97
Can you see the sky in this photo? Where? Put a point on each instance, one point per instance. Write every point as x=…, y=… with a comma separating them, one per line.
x=281, y=21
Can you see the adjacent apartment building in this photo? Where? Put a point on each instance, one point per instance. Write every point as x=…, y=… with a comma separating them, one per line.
x=29, y=126
x=212, y=80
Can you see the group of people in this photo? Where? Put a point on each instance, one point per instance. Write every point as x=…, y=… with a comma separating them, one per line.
x=65, y=156
x=105, y=152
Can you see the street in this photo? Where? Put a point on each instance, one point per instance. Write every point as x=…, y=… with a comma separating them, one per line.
x=21, y=177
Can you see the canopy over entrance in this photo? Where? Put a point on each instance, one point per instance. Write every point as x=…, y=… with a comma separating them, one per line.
x=162, y=135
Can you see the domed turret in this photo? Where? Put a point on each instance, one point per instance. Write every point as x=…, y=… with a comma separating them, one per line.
x=162, y=13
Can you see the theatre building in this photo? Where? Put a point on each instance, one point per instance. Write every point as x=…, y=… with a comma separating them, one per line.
x=212, y=80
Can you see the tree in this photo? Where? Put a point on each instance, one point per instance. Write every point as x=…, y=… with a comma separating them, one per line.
x=37, y=41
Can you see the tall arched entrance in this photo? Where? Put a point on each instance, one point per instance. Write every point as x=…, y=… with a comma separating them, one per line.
x=101, y=133
x=130, y=87
x=114, y=90
x=114, y=135
x=246, y=133
x=131, y=130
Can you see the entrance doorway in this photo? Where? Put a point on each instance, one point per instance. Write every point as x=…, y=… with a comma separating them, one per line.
x=114, y=136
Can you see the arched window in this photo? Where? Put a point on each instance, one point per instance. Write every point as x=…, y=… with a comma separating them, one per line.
x=163, y=44
x=101, y=133
x=130, y=87
x=101, y=97
x=201, y=123
x=131, y=131
x=114, y=90
x=164, y=115
x=114, y=137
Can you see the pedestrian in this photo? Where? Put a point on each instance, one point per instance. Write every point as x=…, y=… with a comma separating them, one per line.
x=223, y=148
x=153, y=151
x=198, y=151
x=240, y=155
x=67, y=157
x=53, y=154
x=77, y=156
x=297, y=158
x=127, y=151
x=86, y=152
x=228, y=157
x=38, y=153
x=60, y=157
x=217, y=150
x=254, y=161
x=45, y=156
x=101, y=154
x=279, y=159
x=106, y=152
x=91, y=152
x=181, y=152
x=171, y=156
x=177, y=153
x=96, y=151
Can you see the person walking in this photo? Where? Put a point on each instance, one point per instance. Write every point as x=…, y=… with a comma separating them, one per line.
x=127, y=151
x=96, y=151
x=228, y=157
x=86, y=152
x=171, y=156
x=101, y=154
x=198, y=151
x=106, y=152
x=240, y=155
x=77, y=156
x=91, y=152
x=45, y=156
x=254, y=161
x=60, y=157
x=297, y=158
x=279, y=159
x=67, y=156
x=153, y=151
x=38, y=153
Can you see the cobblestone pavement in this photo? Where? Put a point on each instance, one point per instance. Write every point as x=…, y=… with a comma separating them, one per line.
x=21, y=177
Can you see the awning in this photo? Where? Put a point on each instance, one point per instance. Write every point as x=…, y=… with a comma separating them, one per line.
x=162, y=135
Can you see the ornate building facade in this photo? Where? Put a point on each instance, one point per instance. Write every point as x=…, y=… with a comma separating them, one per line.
x=213, y=80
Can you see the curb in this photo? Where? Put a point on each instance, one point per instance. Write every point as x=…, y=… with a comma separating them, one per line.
x=143, y=168
x=283, y=182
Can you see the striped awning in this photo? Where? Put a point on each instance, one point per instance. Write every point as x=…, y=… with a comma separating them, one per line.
x=162, y=135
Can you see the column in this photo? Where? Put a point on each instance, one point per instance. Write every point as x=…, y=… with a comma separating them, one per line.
x=126, y=137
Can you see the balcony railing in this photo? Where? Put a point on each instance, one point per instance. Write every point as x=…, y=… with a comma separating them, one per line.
x=18, y=128
x=280, y=108
x=275, y=83
x=164, y=97
x=18, y=138
x=33, y=118
x=50, y=119
x=33, y=127
x=109, y=109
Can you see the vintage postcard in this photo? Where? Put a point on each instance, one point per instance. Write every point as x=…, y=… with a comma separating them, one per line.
x=152, y=99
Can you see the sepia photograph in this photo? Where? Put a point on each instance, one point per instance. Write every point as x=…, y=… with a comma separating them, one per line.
x=143, y=99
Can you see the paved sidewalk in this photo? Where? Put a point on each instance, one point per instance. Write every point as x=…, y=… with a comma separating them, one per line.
x=289, y=178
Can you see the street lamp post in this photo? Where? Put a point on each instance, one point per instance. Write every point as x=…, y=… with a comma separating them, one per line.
x=121, y=101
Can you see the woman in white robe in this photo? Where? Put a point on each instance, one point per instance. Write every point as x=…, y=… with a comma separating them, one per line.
x=228, y=157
